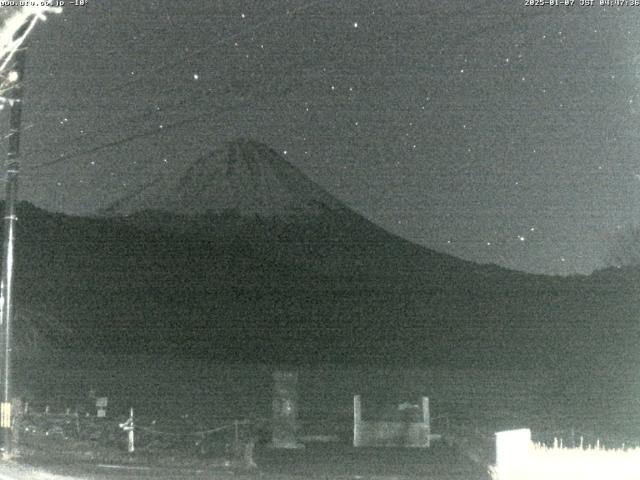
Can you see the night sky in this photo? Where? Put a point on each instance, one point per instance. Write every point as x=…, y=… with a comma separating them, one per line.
x=494, y=131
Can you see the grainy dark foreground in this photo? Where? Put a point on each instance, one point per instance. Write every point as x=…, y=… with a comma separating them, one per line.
x=320, y=461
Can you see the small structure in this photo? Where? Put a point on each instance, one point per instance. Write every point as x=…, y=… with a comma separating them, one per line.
x=101, y=406
x=285, y=411
x=411, y=430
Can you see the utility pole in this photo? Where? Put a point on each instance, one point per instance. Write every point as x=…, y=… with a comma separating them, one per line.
x=14, y=86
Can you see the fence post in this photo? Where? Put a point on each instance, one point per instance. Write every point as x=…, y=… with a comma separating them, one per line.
x=512, y=448
x=426, y=419
x=357, y=420
x=17, y=422
x=235, y=426
x=131, y=440
x=128, y=427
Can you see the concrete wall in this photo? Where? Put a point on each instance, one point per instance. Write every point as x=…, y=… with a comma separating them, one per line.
x=392, y=434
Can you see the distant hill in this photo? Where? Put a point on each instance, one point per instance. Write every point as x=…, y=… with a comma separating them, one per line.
x=297, y=277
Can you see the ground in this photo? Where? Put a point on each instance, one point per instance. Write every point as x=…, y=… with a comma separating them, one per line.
x=317, y=461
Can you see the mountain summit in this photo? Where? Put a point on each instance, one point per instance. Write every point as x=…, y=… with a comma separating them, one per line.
x=240, y=256
x=244, y=177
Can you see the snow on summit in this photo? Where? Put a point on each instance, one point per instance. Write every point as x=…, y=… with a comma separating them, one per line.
x=244, y=177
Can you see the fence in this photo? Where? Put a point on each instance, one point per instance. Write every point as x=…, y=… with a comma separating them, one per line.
x=410, y=427
x=218, y=438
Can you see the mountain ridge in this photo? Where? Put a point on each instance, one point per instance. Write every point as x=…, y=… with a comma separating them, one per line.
x=243, y=176
x=111, y=280
x=307, y=284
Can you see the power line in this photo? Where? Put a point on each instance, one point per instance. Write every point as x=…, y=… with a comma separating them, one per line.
x=151, y=132
x=206, y=48
x=121, y=141
x=154, y=131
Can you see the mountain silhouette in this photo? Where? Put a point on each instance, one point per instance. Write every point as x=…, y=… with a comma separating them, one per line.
x=277, y=270
x=244, y=176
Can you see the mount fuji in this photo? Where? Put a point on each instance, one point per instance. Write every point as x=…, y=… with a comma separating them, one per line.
x=243, y=177
x=247, y=197
x=241, y=257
